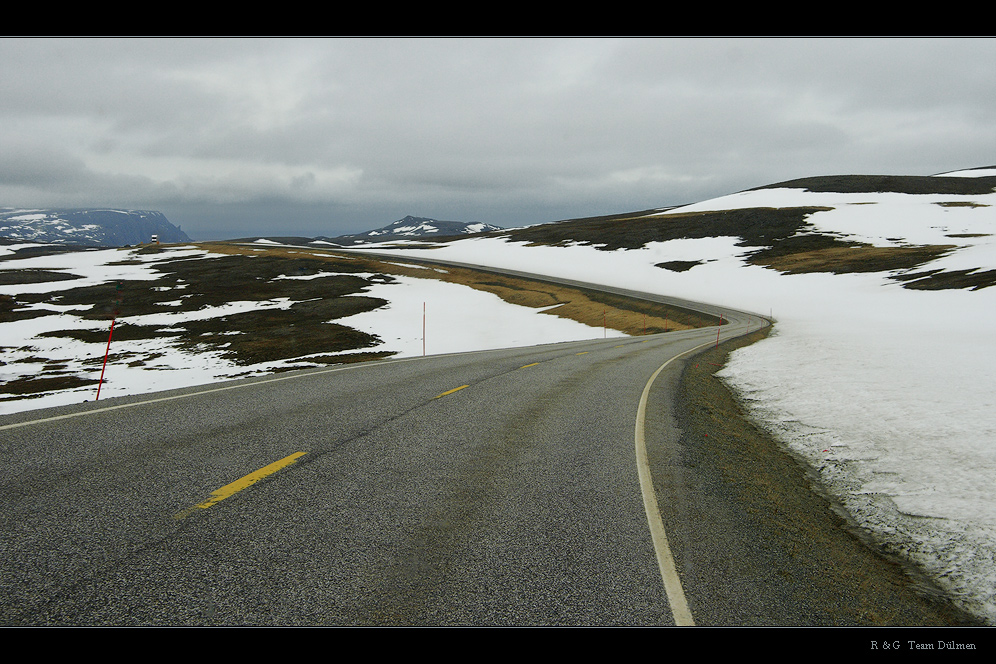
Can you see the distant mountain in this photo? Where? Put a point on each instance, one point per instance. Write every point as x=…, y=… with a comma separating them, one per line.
x=87, y=226
x=413, y=227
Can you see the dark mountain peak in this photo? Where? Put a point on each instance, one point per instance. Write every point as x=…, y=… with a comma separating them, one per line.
x=89, y=227
x=415, y=227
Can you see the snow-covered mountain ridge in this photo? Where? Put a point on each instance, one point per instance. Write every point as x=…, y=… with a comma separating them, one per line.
x=87, y=227
x=411, y=227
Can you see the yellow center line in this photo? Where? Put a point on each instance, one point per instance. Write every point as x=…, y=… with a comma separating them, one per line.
x=242, y=483
x=455, y=389
x=529, y=365
x=584, y=352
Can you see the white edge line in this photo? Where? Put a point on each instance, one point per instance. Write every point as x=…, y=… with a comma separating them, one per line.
x=268, y=379
x=263, y=380
x=665, y=560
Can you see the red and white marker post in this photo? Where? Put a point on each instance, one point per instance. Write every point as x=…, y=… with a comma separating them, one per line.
x=106, y=352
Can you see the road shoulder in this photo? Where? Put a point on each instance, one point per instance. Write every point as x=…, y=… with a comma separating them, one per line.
x=747, y=524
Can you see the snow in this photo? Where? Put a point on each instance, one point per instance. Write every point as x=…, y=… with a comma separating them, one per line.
x=28, y=217
x=306, y=277
x=457, y=319
x=888, y=393
x=165, y=367
x=415, y=229
x=92, y=267
x=971, y=173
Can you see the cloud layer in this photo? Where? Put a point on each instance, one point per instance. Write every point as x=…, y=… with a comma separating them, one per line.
x=315, y=137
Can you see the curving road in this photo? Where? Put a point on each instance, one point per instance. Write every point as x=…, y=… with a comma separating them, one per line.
x=735, y=317
x=489, y=488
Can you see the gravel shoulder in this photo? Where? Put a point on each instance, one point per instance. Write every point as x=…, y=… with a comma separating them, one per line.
x=747, y=517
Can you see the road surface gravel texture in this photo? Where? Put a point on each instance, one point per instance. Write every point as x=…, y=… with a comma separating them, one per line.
x=488, y=488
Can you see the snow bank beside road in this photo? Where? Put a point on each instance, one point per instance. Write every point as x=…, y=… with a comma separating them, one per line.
x=459, y=319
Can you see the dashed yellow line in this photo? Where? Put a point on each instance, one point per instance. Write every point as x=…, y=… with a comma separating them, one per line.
x=243, y=483
x=455, y=389
x=524, y=366
x=584, y=352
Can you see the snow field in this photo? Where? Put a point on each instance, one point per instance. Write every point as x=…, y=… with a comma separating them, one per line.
x=457, y=319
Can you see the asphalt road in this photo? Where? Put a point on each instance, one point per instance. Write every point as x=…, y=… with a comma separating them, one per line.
x=490, y=488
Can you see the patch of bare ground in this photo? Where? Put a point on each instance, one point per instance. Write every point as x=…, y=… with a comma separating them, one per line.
x=756, y=227
x=585, y=306
x=34, y=251
x=968, y=204
x=850, y=259
x=900, y=184
x=27, y=386
x=840, y=578
x=33, y=276
x=11, y=310
x=678, y=266
x=972, y=279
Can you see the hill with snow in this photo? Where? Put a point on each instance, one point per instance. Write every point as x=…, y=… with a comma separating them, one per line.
x=411, y=227
x=87, y=227
x=880, y=371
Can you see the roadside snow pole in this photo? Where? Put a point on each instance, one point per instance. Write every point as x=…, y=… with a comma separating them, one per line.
x=423, y=329
x=605, y=329
x=718, y=328
x=102, y=369
x=114, y=316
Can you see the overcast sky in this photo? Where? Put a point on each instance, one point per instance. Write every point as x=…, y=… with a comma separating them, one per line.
x=233, y=137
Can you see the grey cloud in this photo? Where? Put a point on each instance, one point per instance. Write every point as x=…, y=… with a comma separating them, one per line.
x=491, y=129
